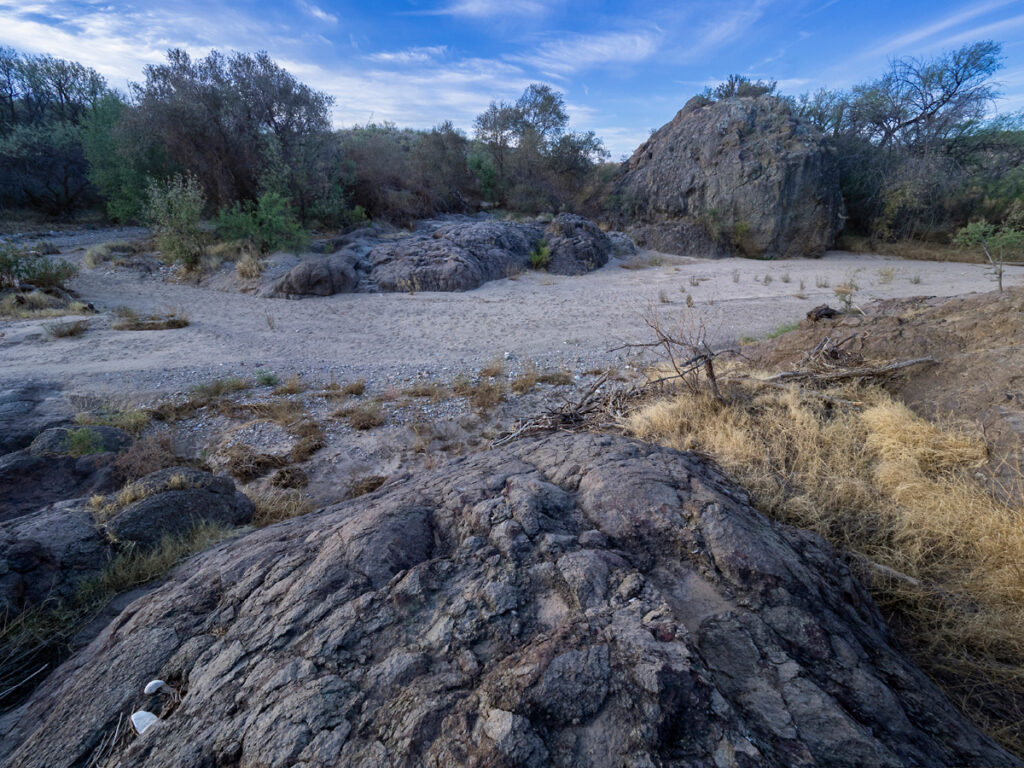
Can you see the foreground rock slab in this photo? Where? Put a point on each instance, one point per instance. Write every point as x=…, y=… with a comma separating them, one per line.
x=575, y=600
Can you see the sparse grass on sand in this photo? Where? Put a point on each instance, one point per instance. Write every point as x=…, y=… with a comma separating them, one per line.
x=943, y=557
x=129, y=320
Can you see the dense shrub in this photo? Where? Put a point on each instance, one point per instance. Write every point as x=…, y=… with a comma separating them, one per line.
x=21, y=267
x=270, y=224
x=174, y=209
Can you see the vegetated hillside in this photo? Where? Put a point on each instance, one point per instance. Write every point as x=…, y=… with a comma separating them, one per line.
x=928, y=503
x=742, y=176
x=977, y=343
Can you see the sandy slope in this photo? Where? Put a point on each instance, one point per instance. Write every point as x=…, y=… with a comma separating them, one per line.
x=551, y=319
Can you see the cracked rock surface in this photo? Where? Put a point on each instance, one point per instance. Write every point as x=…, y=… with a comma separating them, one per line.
x=572, y=600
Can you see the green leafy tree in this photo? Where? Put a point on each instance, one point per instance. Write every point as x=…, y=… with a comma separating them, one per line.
x=999, y=243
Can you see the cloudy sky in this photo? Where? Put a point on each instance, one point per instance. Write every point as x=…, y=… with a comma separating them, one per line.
x=625, y=67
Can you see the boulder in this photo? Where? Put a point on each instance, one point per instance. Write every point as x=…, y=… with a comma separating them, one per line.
x=453, y=257
x=28, y=409
x=317, y=277
x=577, y=245
x=29, y=482
x=60, y=441
x=742, y=176
x=48, y=554
x=571, y=600
x=173, y=501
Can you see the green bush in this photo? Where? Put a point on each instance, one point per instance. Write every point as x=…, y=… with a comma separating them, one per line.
x=174, y=209
x=19, y=267
x=83, y=441
x=540, y=257
x=270, y=224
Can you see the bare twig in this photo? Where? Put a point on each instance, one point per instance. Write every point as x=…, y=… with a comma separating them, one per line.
x=861, y=372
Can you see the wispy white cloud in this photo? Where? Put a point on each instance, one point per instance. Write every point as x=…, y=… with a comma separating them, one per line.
x=316, y=12
x=578, y=53
x=482, y=9
x=416, y=55
x=899, y=45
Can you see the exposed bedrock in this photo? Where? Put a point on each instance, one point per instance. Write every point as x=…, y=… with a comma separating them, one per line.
x=742, y=176
x=573, y=600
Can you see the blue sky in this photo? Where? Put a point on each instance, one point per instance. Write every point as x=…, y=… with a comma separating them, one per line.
x=624, y=67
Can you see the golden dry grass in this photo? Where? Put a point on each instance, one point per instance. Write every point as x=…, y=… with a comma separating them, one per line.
x=275, y=504
x=899, y=492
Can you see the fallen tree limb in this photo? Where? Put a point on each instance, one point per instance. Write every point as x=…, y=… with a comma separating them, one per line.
x=861, y=372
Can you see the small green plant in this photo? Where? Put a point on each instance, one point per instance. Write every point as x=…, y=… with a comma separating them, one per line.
x=997, y=242
x=915, y=279
x=269, y=224
x=663, y=297
x=767, y=279
x=886, y=275
x=735, y=275
x=266, y=379
x=785, y=277
x=540, y=256
x=821, y=282
x=694, y=281
x=845, y=292
x=784, y=328
x=83, y=441
x=174, y=209
x=131, y=420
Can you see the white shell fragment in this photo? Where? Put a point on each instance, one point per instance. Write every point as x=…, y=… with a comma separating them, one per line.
x=142, y=720
x=153, y=686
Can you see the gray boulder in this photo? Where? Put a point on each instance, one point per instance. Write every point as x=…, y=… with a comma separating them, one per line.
x=173, y=501
x=45, y=472
x=28, y=409
x=48, y=554
x=317, y=277
x=453, y=257
x=742, y=176
x=574, y=600
x=577, y=245
x=61, y=441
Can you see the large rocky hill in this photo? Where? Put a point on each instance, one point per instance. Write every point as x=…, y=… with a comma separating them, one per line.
x=741, y=176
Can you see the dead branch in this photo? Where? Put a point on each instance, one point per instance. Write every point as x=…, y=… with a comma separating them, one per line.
x=861, y=372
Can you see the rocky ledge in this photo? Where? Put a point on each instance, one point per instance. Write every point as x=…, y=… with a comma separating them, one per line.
x=457, y=254
x=574, y=600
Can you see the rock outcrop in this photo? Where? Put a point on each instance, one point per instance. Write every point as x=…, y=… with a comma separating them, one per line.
x=456, y=254
x=50, y=551
x=47, y=472
x=577, y=246
x=28, y=409
x=574, y=600
x=742, y=176
x=176, y=500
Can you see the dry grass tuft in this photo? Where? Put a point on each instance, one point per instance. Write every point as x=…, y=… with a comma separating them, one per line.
x=292, y=386
x=67, y=329
x=493, y=369
x=247, y=465
x=531, y=377
x=149, y=454
x=249, y=267
x=130, y=321
x=363, y=485
x=132, y=420
x=274, y=505
x=365, y=416
x=117, y=251
x=899, y=491
x=354, y=388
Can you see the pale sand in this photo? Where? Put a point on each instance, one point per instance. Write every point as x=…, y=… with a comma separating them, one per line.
x=549, y=319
